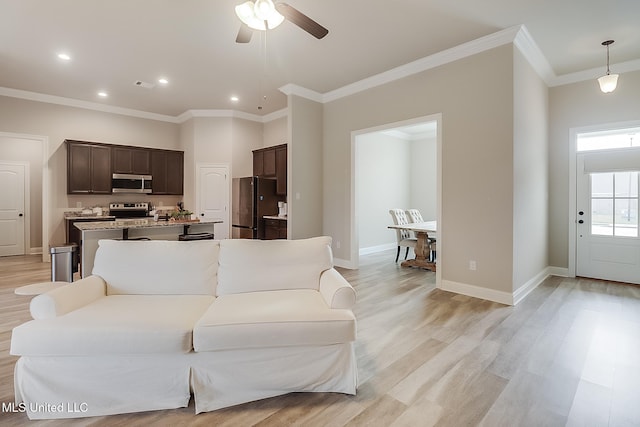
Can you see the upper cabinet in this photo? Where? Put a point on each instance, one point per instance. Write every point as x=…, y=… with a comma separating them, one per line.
x=271, y=162
x=131, y=160
x=89, y=168
x=167, y=171
x=281, y=170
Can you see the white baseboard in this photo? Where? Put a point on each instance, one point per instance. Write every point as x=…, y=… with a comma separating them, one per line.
x=477, y=292
x=531, y=284
x=343, y=263
x=501, y=296
x=558, y=271
x=35, y=251
x=378, y=248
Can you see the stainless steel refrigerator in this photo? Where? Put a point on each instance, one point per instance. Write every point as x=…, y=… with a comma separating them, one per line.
x=251, y=199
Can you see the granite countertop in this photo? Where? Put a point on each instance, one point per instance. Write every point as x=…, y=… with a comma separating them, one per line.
x=87, y=216
x=136, y=223
x=281, y=218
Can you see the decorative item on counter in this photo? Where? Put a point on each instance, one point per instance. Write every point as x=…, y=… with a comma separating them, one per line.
x=181, y=214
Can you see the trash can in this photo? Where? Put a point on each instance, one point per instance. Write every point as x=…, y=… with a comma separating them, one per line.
x=63, y=262
x=195, y=236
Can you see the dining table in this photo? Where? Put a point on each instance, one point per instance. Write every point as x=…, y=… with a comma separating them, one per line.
x=422, y=251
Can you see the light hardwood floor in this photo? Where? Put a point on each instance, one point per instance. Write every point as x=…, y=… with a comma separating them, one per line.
x=569, y=354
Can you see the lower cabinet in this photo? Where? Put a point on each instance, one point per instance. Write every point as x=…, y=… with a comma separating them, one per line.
x=275, y=229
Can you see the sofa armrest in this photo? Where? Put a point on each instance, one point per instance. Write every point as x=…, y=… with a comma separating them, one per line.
x=67, y=298
x=336, y=291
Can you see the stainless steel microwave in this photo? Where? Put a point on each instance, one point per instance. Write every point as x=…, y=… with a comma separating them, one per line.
x=130, y=183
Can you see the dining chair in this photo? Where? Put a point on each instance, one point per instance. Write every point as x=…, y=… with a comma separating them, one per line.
x=414, y=215
x=402, y=236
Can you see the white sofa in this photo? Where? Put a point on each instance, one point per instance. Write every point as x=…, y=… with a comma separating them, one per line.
x=229, y=322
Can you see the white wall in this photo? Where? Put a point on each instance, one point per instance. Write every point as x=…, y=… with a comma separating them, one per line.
x=475, y=97
x=61, y=122
x=530, y=174
x=424, y=176
x=29, y=151
x=305, y=160
x=275, y=132
x=383, y=180
x=574, y=106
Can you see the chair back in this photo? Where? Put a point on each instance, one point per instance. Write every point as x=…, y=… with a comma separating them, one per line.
x=414, y=215
x=400, y=218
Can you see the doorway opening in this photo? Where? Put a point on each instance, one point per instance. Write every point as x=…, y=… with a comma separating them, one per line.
x=605, y=232
x=396, y=165
x=32, y=150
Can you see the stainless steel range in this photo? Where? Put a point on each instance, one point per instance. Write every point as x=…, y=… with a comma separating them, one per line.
x=129, y=210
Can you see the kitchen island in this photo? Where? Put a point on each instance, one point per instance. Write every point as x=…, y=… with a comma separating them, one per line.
x=130, y=229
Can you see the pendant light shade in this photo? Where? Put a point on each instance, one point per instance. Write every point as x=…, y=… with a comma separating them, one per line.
x=609, y=81
x=261, y=15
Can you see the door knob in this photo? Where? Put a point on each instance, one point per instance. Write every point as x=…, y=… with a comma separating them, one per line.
x=20, y=214
x=581, y=222
x=202, y=214
x=580, y=213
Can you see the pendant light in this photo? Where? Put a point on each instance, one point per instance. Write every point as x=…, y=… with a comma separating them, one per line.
x=609, y=81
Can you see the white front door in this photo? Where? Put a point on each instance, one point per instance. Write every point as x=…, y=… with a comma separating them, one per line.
x=212, y=189
x=608, y=243
x=12, y=218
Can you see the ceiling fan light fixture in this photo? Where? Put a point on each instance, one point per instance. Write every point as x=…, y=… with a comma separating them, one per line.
x=254, y=15
x=608, y=82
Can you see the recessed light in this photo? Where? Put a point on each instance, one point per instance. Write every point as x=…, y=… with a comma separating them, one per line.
x=64, y=56
x=163, y=81
x=234, y=98
x=103, y=94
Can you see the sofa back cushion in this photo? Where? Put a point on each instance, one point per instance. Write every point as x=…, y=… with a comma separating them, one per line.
x=270, y=265
x=158, y=267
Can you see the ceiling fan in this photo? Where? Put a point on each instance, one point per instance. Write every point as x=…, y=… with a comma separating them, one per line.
x=264, y=14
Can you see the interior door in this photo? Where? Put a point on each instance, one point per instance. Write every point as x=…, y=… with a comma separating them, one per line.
x=212, y=203
x=12, y=218
x=608, y=243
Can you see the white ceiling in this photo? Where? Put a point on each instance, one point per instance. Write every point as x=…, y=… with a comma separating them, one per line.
x=192, y=43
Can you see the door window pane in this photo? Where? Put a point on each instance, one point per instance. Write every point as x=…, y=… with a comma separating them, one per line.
x=626, y=184
x=626, y=219
x=602, y=217
x=602, y=184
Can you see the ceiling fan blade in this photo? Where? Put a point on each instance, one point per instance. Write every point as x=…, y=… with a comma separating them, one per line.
x=244, y=34
x=301, y=20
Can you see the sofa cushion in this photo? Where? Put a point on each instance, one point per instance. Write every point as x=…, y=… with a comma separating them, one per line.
x=119, y=324
x=272, y=319
x=158, y=267
x=268, y=265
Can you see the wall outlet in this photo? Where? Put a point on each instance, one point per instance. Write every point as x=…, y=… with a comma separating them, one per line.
x=337, y=244
x=78, y=204
x=472, y=265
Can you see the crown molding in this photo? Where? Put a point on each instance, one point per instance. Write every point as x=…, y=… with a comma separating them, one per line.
x=529, y=48
x=70, y=102
x=594, y=73
x=432, y=61
x=190, y=114
x=518, y=35
x=292, y=89
x=76, y=103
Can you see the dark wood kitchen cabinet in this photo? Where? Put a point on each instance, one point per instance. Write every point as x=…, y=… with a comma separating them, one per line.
x=131, y=160
x=167, y=171
x=275, y=229
x=88, y=168
x=271, y=162
x=281, y=170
